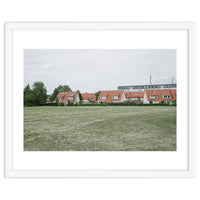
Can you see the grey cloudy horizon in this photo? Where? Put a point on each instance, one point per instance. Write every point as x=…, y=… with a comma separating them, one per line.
x=91, y=70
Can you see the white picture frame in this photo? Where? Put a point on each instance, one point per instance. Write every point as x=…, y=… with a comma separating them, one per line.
x=12, y=171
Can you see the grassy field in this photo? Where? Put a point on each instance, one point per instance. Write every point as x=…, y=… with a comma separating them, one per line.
x=111, y=128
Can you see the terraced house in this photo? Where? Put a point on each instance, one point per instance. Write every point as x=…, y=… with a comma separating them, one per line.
x=152, y=96
x=88, y=97
x=68, y=96
x=137, y=97
x=108, y=96
x=158, y=96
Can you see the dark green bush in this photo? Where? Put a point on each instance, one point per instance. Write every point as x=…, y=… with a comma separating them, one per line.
x=50, y=104
x=174, y=102
x=61, y=104
x=94, y=104
x=153, y=104
x=70, y=103
x=121, y=104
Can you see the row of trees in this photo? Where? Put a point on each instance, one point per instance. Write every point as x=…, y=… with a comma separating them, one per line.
x=37, y=95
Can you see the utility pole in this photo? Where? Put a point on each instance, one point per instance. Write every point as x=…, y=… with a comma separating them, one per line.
x=150, y=79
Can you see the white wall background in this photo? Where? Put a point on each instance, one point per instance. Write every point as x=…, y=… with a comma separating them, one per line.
x=93, y=10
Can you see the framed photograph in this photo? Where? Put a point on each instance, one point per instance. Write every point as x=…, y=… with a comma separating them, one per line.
x=99, y=100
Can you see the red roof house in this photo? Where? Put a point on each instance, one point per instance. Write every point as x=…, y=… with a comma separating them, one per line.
x=134, y=96
x=89, y=97
x=68, y=96
x=109, y=96
x=157, y=96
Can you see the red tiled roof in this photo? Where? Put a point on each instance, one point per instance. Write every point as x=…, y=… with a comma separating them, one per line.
x=87, y=96
x=173, y=92
x=109, y=93
x=134, y=94
x=160, y=93
x=65, y=95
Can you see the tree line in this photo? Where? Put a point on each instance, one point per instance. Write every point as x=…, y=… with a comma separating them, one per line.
x=37, y=95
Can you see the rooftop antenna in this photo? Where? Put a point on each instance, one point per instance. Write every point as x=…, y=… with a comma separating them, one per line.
x=150, y=79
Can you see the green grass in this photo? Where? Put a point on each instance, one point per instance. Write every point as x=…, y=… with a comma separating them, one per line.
x=111, y=128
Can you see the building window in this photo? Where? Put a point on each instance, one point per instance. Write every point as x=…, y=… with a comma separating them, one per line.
x=60, y=98
x=166, y=96
x=114, y=97
x=103, y=97
x=153, y=96
x=70, y=98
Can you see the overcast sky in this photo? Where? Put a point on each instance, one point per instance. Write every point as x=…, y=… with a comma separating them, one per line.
x=100, y=69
